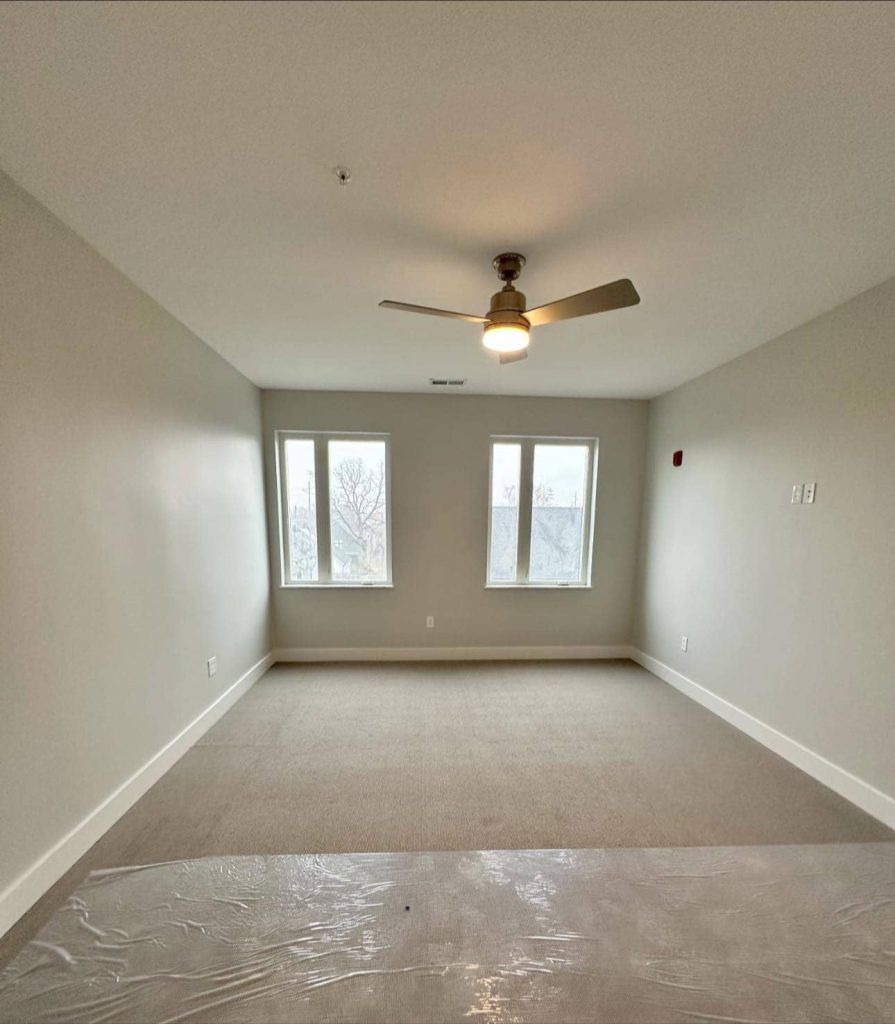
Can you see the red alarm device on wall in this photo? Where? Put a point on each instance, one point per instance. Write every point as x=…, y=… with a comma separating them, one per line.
x=678, y=458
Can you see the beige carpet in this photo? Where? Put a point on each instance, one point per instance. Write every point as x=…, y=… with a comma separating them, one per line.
x=465, y=756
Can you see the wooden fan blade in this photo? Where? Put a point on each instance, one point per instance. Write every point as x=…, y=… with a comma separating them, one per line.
x=598, y=300
x=409, y=308
x=512, y=357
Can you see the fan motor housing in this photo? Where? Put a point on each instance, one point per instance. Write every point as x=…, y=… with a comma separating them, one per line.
x=507, y=300
x=507, y=316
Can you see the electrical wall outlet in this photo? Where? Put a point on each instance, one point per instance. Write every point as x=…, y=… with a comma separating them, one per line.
x=212, y=666
x=430, y=622
x=796, y=494
x=684, y=642
x=808, y=494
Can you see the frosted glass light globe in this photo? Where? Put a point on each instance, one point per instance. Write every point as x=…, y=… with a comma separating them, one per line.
x=505, y=337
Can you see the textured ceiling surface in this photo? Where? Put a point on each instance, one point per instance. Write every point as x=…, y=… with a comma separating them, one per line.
x=734, y=159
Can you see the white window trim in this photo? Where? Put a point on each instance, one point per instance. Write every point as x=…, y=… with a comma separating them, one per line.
x=523, y=530
x=321, y=439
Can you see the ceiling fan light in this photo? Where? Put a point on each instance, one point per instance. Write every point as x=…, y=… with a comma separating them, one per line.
x=505, y=337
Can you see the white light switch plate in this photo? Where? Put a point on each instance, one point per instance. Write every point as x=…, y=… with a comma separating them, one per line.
x=796, y=494
x=212, y=666
x=808, y=494
x=430, y=622
x=684, y=642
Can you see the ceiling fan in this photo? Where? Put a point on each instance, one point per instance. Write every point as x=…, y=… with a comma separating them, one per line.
x=507, y=322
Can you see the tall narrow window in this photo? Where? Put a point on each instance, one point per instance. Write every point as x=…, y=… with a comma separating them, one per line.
x=357, y=501
x=301, y=490
x=559, y=494
x=334, y=509
x=505, y=460
x=541, y=513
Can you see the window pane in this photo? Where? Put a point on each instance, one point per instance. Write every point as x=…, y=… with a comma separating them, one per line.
x=505, y=462
x=358, y=511
x=301, y=505
x=559, y=482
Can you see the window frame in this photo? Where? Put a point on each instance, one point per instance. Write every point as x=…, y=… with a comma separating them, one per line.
x=523, y=527
x=321, y=440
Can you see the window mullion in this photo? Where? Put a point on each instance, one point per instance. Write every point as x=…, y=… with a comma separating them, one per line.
x=588, y=539
x=283, y=513
x=523, y=538
x=321, y=475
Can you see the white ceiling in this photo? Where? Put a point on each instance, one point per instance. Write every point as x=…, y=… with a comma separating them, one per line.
x=736, y=160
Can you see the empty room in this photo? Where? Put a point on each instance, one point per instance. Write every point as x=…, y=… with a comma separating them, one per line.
x=447, y=567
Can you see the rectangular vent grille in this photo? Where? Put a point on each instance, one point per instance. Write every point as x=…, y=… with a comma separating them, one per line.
x=447, y=382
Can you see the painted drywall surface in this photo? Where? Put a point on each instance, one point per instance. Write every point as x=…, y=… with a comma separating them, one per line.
x=133, y=538
x=439, y=471
x=788, y=609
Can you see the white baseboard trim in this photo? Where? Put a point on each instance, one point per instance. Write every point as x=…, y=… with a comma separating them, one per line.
x=866, y=796
x=27, y=889
x=581, y=653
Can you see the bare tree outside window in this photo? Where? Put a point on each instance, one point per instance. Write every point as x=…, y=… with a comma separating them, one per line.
x=348, y=499
x=358, y=510
x=543, y=496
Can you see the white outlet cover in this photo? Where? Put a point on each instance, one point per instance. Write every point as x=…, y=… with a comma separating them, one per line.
x=808, y=494
x=684, y=642
x=430, y=622
x=797, y=494
x=212, y=666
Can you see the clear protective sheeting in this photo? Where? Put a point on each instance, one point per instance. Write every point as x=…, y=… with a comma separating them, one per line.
x=773, y=933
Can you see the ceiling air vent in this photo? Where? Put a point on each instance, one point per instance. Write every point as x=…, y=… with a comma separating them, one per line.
x=447, y=382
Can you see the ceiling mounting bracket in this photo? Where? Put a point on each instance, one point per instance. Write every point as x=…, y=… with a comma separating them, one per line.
x=508, y=266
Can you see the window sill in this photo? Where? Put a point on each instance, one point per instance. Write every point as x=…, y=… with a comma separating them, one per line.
x=337, y=586
x=538, y=586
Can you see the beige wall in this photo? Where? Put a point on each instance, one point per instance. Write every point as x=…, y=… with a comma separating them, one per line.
x=133, y=536
x=788, y=609
x=439, y=461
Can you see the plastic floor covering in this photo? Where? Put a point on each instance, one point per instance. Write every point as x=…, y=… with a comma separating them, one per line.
x=768, y=933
